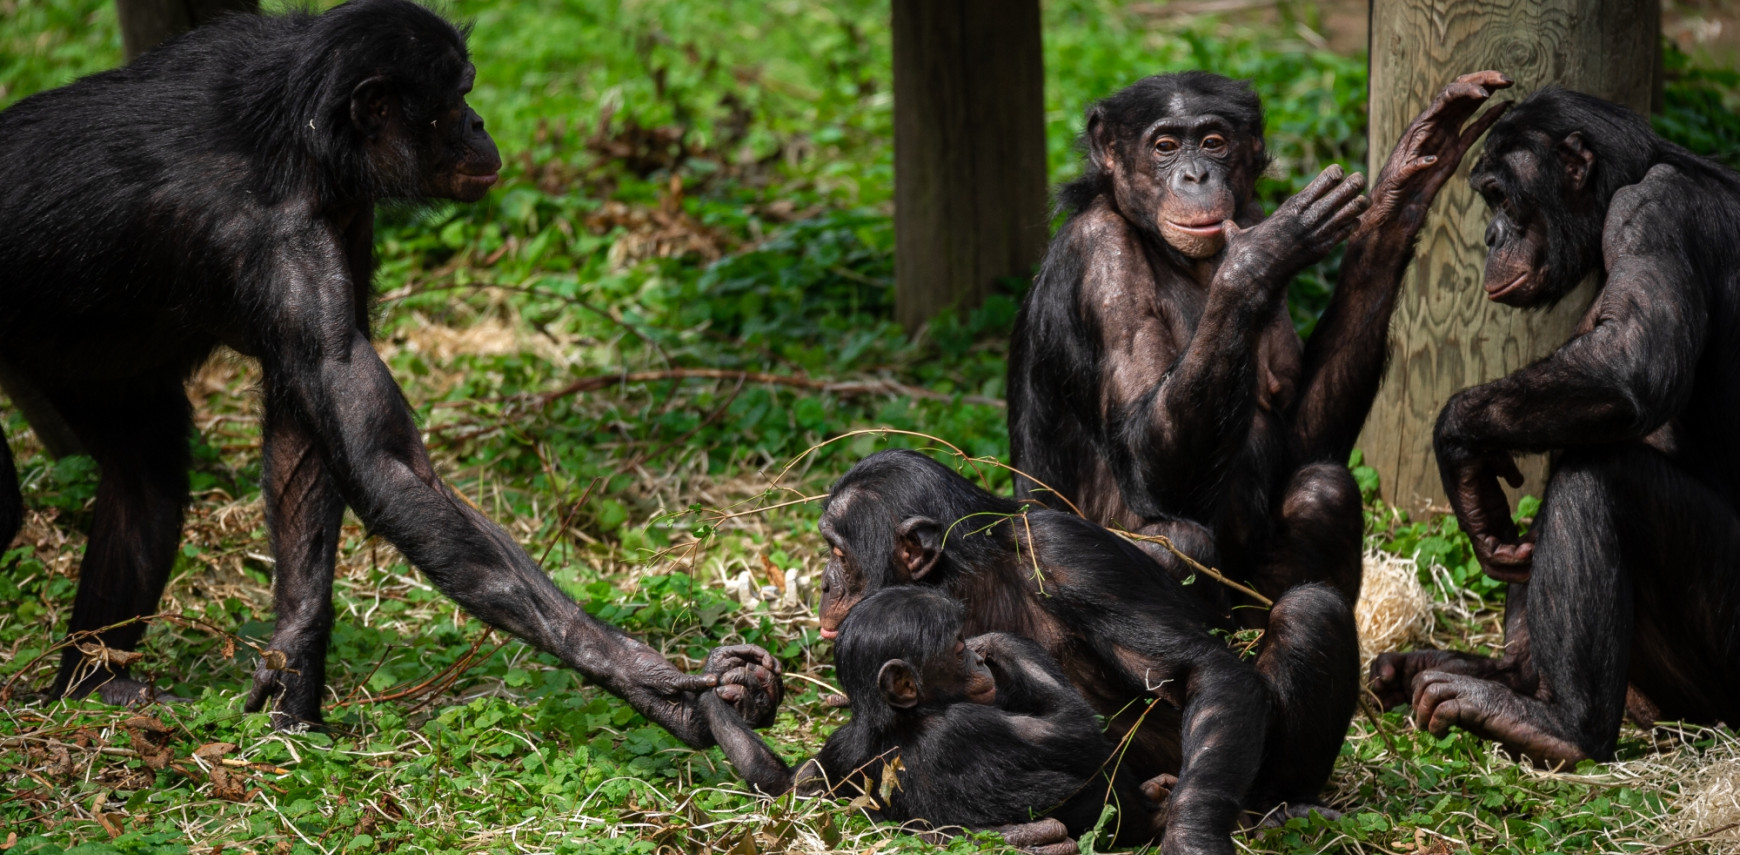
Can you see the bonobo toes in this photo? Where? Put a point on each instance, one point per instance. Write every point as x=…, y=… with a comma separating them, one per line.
x=291, y=687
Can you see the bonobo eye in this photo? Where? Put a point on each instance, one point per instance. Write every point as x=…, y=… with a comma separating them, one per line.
x=1166, y=145
x=1214, y=143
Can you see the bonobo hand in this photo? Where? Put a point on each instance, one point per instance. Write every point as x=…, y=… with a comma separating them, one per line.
x=748, y=681
x=1471, y=481
x=1432, y=147
x=1302, y=231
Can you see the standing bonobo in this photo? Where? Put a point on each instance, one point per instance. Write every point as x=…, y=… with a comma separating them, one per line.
x=221, y=190
x=1633, y=569
x=1155, y=379
x=1239, y=735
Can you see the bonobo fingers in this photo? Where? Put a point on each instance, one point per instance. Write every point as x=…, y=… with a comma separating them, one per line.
x=1042, y=837
x=748, y=679
x=290, y=685
x=1492, y=711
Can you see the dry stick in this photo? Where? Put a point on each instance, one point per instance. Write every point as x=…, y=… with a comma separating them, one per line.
x=1199, y=567
x=83, y=634
x=459, y=667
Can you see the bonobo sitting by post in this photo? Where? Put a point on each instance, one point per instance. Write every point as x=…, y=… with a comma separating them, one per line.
x=221, y=190
x=1238, y=735
x=982, y=732
x=1155, y=379
x=1633, y=572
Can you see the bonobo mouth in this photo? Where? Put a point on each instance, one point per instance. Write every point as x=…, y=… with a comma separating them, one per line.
x=1498, y=294
x=478, y=180
x=830, y=634
x=1200, y=228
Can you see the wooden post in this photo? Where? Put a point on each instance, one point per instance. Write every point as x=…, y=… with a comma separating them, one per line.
x=1447, y=335
x=969, y=151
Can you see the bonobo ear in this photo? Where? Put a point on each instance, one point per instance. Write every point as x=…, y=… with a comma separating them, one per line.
x=917, y=546
x=1099, y=141
x=1577, y=158
x=899, y=684
x=370, y=103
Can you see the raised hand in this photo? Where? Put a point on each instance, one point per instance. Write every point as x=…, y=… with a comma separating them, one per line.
x=1433, y=144
x=1300, y=232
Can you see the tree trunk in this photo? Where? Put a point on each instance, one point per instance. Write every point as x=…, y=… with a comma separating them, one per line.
x=1447, y=336
x=145, y=23
x=969, y=151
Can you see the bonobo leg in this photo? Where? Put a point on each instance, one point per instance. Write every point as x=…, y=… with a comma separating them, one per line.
x=1392, y=674
x=1310, y=660
x=303, y=513
x=1317, y=536
x=1633, y=576
x=140, y=442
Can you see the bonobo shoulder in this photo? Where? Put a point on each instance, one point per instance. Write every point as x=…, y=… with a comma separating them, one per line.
x=1642, y=214
x=1099, y=225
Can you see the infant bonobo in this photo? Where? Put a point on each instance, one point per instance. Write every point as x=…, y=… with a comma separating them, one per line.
x=982, y=733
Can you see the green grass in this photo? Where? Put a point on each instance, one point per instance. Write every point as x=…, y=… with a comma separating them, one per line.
x=689, y=186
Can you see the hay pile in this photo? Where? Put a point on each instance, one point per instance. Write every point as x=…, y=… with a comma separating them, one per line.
x=1394, y=609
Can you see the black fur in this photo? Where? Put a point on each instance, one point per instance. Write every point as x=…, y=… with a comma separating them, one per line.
x=1633, y=575
x=221, y=190
x=1132, y=642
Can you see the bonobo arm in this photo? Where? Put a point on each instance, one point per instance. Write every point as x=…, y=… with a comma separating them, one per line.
x=1626, y=374
x=323, y=373
x=1029, y=682
x=1344, y=359
x=1177, y=411
x=748, y=753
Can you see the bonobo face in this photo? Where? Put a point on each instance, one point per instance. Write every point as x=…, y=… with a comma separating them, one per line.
x=1181, y=153
x=957, y=675
x=1180, y=174
x=1539, y=243
x=466, y=163
x=866, y=553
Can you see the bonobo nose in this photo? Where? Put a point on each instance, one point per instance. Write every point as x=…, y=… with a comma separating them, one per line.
x=1492, y=234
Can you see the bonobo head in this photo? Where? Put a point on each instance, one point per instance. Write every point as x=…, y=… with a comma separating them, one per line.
x=886, y=521
x=902, y=651
x=1548, y=172
x=1178, y=154
x=389, y=85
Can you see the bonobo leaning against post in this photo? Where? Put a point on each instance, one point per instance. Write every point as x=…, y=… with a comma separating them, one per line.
x=1632, y=571
x=1239, y=735
x=221, y=190
x=1155, y=379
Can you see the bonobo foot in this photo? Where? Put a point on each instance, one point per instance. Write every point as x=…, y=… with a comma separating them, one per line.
x=114, y=689
x=1491, y=711
x=292, y=680
x=1392, y=674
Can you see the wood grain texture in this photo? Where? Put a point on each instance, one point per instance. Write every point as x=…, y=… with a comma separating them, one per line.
x=1447, y=336
x=969, y=150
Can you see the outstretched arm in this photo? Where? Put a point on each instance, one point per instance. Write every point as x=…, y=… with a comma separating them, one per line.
x=1344, y=360
x=323, y=374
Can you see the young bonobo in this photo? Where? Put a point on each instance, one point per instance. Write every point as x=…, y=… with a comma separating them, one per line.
x=221, y=190
x=1632, y=570
x=1237, y=734
x=982, y=732
x=1155, y=379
